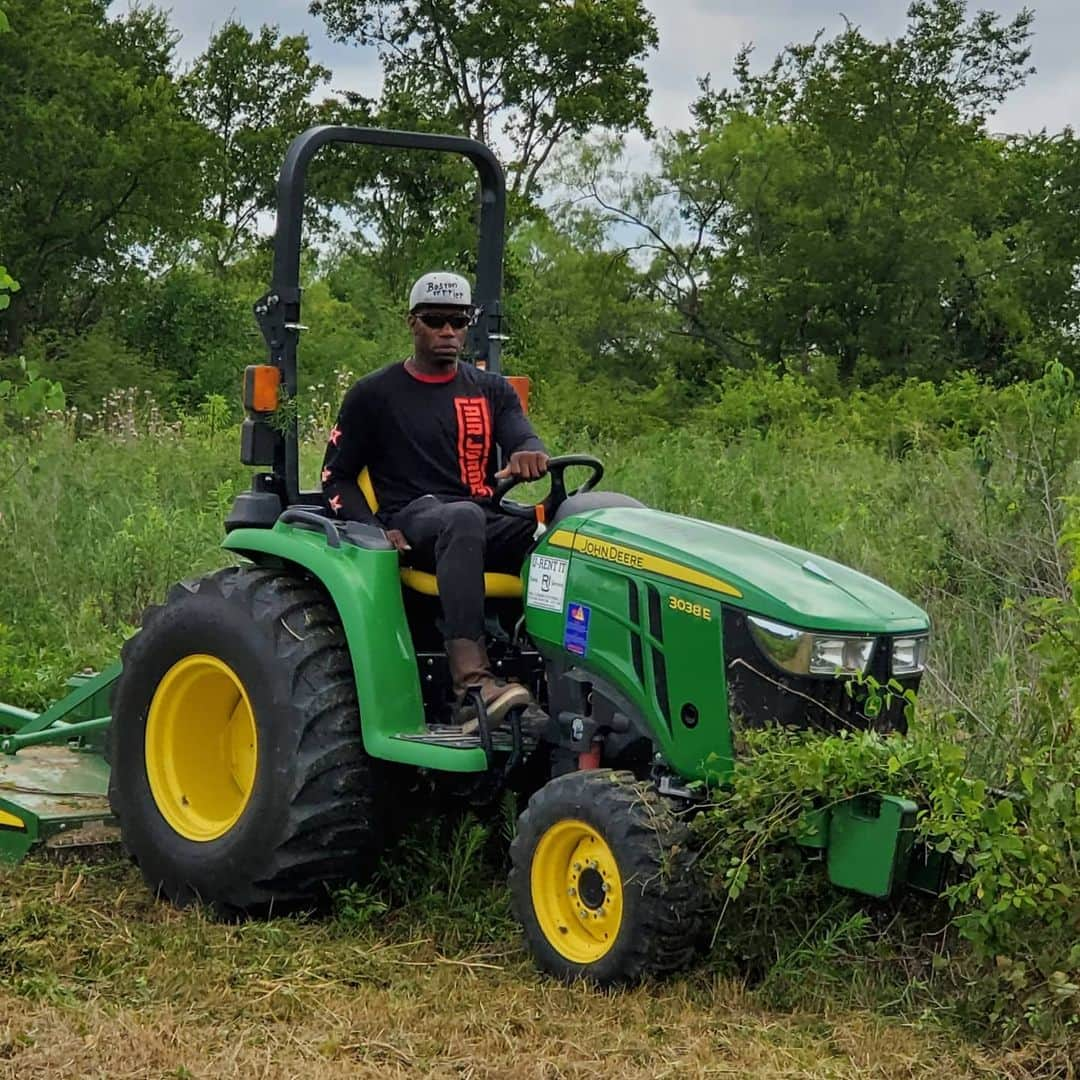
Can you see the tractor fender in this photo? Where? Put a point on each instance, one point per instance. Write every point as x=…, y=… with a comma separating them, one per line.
x=365, y=588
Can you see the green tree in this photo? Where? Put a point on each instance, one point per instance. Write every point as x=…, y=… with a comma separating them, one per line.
x=97, y=159
x=848, y=202
x=8, y=285
x=252, y=92
x=27, y=395
x=1041, y=200
x=577, y=310
x=191, y=328
x=677, y=217
x=529, y=71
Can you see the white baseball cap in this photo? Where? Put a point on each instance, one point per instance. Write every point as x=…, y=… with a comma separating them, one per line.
x=441, y=287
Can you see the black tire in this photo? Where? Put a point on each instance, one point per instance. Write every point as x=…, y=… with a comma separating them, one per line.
x=313, y=815
x=664, y=904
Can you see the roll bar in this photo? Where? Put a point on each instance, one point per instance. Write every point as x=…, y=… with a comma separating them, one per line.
x=278, y=310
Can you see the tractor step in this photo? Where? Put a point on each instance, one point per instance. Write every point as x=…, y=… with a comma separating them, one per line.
x=450, y=736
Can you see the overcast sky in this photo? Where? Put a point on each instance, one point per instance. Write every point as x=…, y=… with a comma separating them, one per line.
x=698, y=37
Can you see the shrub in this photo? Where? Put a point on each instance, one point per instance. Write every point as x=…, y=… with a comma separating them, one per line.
x=27, y=395
x=1007, y=937
x=92, y=365
x=197, y=332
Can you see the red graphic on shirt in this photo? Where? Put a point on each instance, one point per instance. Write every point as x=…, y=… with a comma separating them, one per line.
x=474, y=443
x=335, y=435
x=335, y=504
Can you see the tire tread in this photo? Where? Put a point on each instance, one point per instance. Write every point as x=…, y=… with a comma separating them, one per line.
x=656, y=859
x=333, y=829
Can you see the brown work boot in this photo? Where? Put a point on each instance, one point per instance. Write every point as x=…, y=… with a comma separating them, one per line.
x=469, y=666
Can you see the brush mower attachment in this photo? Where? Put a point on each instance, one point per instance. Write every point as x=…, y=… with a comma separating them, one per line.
x=53, y=775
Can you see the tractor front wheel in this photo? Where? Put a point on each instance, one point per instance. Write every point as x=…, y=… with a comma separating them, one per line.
x=603, y=880
x=239, y=776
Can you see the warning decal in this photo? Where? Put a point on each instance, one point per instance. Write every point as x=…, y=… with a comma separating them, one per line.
x=576, y=635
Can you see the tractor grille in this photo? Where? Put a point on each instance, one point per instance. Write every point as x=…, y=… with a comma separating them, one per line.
x=760, y=694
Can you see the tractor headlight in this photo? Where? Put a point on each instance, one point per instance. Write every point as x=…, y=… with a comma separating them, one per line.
x=909, y=654
x=803, y=652
x=846, y=654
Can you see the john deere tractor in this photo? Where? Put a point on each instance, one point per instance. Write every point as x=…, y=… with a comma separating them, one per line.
x=264, y=725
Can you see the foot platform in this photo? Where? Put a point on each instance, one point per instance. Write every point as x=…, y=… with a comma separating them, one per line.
x=450, y=735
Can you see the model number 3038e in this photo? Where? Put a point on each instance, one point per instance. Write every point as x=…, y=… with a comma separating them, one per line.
x=688, y=607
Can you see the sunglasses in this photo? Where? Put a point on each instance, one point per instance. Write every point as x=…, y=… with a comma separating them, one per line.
x=437, y=322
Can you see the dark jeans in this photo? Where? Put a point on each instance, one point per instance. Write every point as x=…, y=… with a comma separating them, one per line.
x=459, y=541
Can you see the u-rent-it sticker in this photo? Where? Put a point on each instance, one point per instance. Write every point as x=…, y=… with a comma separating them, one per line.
x=547, y=582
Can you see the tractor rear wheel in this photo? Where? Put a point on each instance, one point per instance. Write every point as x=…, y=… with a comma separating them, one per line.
x=603, y=880
x=239, y=776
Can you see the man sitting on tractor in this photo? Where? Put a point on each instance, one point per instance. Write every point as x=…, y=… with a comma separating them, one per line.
x=426, y=429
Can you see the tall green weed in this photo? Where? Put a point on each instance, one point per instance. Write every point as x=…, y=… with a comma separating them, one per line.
x=1003, y=949
x=956, y=495
x=95, y=527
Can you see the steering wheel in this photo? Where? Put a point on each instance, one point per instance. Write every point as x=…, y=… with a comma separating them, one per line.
x=556, y=468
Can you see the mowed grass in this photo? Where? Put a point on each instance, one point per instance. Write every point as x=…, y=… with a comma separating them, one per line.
x=98, y=979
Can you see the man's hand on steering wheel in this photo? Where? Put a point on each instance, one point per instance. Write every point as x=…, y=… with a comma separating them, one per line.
x=556, y=468
x=525, y=465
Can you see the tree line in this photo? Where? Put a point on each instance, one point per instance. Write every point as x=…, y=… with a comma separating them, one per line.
x=846, y=211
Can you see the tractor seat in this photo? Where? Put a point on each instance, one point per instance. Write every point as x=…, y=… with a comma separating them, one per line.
x=496, y=586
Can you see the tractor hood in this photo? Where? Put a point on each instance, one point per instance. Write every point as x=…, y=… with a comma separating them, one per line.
x=752, y=572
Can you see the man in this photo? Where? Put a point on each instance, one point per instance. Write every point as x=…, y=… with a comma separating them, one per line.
x=427, y=429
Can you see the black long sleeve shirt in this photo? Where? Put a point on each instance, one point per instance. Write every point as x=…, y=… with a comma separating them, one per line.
x=421, y=435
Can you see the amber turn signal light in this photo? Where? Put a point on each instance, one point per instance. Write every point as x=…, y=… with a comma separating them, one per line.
x=261, y=384
x=521, y=384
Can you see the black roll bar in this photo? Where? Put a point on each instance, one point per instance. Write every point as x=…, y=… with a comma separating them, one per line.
x=278, y=311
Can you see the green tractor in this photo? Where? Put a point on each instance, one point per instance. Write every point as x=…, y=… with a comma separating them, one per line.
x=267, y=722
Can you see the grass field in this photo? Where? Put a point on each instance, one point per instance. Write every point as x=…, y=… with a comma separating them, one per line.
x=99, y=980
x=954, y=500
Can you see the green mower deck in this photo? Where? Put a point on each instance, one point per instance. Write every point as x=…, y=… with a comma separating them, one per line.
x=53, y=778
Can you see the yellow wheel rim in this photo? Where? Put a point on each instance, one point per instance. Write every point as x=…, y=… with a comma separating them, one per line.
x=201, y=747
x=576, y=891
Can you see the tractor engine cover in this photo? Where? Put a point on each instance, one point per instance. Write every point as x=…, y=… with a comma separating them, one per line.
x=657, y=606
